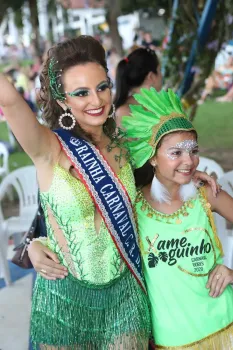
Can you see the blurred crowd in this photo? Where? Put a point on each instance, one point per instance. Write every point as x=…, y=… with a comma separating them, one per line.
x=25, y=64
x=24, y=69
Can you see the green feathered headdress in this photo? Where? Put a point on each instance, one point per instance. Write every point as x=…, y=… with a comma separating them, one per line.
x=157, y=114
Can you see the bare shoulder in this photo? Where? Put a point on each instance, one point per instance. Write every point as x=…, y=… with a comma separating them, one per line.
x=121, y=112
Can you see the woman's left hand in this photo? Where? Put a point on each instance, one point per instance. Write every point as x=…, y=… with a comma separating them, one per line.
x=200, y=175
x=219, y=278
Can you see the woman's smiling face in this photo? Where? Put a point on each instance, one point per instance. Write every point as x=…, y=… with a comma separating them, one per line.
x=88, y=94
x=177, y=158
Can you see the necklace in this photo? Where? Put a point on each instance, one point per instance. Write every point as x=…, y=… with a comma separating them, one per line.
x=117, y=141
x=176, y=217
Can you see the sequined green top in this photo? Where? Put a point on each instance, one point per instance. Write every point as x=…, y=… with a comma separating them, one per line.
x=89, y=256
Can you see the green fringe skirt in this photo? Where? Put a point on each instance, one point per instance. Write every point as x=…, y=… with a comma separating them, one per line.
x=69, y=315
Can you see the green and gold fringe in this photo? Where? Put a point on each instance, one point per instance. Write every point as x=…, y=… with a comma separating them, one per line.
x=221, y=340
x=67, y=315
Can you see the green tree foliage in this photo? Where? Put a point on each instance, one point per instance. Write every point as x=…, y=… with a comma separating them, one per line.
x=15, y=5
x=18, y=18
x=186, y=25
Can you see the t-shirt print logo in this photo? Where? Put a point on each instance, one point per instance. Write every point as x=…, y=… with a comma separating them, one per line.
x=188, y=252
x=152, y=258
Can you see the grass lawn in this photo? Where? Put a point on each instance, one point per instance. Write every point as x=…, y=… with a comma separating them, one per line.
x=213, y=121
x=214, y=124
x=3, y=132
x=18, y=158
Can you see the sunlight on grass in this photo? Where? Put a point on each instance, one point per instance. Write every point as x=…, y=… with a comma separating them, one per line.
x=214, y=124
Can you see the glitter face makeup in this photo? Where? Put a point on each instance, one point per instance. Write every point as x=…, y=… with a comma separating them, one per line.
x=187, y=146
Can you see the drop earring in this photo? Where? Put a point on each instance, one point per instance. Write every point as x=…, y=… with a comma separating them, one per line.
x=65, y=115
x=113, y=114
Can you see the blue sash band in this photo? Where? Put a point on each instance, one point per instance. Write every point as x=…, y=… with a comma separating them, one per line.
x=109, y=196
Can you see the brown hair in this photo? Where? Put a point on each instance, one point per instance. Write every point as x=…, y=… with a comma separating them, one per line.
x=80, y=50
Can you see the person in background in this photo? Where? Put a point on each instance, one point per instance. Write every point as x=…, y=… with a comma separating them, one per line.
x=27, y=100
x=148, y=42
x=222, y=78
x=138, y=36
x=22, y=78
x=35, y=67
x=107, y=43
x=112, y=62
x=228, y=97
x=140, y=69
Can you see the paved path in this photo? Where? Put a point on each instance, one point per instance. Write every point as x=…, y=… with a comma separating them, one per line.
x=15, y=306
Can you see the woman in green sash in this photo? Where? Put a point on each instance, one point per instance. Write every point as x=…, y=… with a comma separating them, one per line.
x=101, y=304
x=188, y=285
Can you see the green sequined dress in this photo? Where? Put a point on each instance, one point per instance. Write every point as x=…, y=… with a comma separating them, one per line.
x=99, y=305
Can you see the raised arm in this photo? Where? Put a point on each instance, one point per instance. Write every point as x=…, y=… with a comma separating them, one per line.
x=33, y=137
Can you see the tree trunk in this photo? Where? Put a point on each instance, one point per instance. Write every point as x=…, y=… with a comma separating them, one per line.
x=35, y=25
x=113, y=11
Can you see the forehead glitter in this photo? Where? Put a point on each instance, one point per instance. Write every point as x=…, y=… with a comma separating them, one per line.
x=184, y=146
x=187, y=145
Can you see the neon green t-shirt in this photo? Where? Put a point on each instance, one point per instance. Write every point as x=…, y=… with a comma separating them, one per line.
x=178, y=252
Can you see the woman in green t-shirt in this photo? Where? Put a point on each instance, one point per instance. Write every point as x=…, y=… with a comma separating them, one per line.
x=188, y=285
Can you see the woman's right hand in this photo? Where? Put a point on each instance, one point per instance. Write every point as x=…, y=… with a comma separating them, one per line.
x=45, y=262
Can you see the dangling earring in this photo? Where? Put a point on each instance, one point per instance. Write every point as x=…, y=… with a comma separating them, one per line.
x=113, y=114
x=67, y=114
x=158, y=191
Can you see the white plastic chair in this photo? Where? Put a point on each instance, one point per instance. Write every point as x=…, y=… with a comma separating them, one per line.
x=211, y=167
x=24, y=182
x=225, y=231
x=4, y=155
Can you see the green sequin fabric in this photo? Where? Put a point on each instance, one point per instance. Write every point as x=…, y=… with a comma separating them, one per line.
x=68, y=315
x=173, y=125
x=99, y=305
x=93, y=257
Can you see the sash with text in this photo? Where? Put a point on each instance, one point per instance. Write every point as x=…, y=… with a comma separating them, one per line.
x=109, y=196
